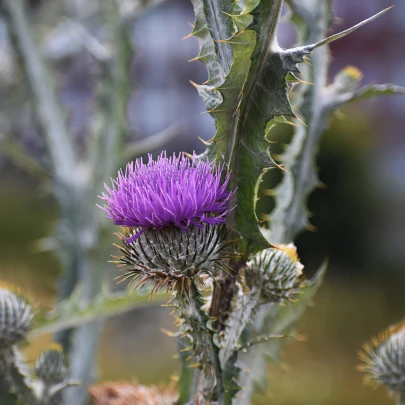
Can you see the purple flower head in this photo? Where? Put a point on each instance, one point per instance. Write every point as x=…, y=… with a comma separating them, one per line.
x=174, y=190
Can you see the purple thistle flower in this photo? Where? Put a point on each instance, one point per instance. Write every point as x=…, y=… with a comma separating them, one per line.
x=171, y=191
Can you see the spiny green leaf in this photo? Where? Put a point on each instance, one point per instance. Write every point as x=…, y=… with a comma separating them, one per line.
x=236, y=141
x=69, y=313
x=377, y=90
x=349, y=30
x=254, y=92
x=212, y=25
x=316, y=102
x=230, y=376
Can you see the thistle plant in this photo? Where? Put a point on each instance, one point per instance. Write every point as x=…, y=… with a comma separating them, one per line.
x=189, y=223
x=74, y=175
x=51, y=372
x=233, y=320
x=383, y=361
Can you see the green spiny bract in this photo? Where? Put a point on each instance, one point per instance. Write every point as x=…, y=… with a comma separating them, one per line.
x=16, y=318
x=172, y=255
x=50, y=367
x=276, y=272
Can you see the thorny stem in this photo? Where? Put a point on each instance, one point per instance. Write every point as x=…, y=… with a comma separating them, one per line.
x=202, y=318
x=14, y=372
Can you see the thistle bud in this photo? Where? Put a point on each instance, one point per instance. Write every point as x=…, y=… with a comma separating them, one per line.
x=277, y=272
x=50, y=367
x=16, y=317
x=384, y=359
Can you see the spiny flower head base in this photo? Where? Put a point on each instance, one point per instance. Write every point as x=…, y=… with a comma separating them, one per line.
x=384, y=359
x=277, y=272
x=171, y=256
x=16, y=317
x=169, y=191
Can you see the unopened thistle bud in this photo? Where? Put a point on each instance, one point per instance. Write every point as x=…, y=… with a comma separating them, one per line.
x=173, y=211
x=16, y=317
x=50, y=367
x=277, y=272
x=384, y=359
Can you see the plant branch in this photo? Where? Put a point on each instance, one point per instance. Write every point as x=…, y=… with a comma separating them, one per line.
x=202, y=318
x=15, y=372
x=59, y=143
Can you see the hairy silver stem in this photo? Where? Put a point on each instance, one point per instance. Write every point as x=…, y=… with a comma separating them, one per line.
x=15, y=372
x=201, y=316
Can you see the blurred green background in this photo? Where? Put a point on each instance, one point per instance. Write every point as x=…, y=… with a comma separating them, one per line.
x=359, y=215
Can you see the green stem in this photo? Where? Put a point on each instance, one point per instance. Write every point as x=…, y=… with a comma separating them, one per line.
x=57, y=137
x=202, y=318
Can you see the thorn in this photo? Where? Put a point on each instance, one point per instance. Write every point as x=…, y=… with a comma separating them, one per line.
x=144, y=279
x=187, y=36
x=322, y=185
x=265, y=217
x=167, y=332
x=282, y=168
x=311, y=228
x=285, y=121
x=229, y=15
x=194, y=84
x=194, y=59
x=304, y=82
x=203, y=141
x=300, y=120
